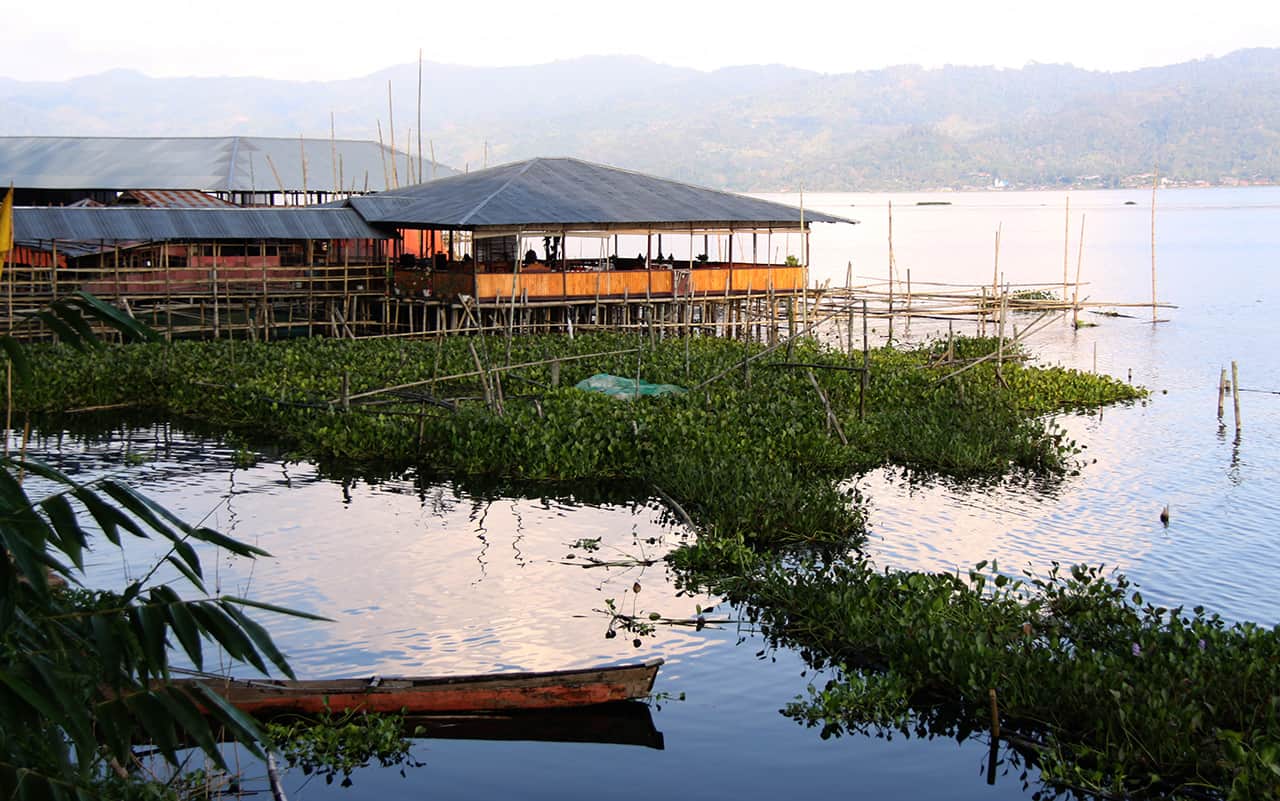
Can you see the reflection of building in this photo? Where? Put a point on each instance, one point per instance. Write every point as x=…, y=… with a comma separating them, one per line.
x=553, y=235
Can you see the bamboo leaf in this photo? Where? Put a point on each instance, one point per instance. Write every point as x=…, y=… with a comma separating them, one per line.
x=155, y=721
x=34, y=698
x=223, y=541
x=106, y=313
x=189, y=556
x=179, y=706
x=244, y=727
x=280, y=610
x=228, y=634
x=186, y=571
x=186, y=630
x=76, y=321
x=66, y=332
x=108, y=518
x=260, y=638
x=17, y=357
x=155, y=642
x=71, y=538
x=131, y=500
x=106, y=645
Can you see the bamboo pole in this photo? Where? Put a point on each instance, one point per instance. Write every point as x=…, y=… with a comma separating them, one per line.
x=409, y=174
x=1066, y=246
x=481, y=371
x=1155, y=183
x=995, y=268
x=866, y=367
x=1000, y=337
x=386, y=174
x=1075, y=295
x=1222, y=392
x=216, y=321
x=168, y=294
x=391, y=131
x=7, y=264
x=1235, y=393
x=420, y=177
x=891, y=270
x=266, y=303
x=848, y=279
x=53, y=270
x=333, y=154
x=832, y=420
x=284, y=197
x=302, y=155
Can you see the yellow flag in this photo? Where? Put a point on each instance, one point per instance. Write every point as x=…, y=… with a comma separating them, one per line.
x=6, y=222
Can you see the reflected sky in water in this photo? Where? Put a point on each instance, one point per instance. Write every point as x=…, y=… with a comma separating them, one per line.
x=1217, y=254
x=419, y=576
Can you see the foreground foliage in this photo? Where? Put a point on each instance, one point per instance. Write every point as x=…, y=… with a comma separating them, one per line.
x=84, y=673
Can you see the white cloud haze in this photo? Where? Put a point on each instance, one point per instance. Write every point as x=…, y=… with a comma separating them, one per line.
x=290, y=39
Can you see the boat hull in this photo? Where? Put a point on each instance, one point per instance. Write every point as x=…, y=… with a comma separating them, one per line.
x=491, y=692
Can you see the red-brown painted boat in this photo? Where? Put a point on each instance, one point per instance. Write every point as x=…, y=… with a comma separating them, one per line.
x=424, y=696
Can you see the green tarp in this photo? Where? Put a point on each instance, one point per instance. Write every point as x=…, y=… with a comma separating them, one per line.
x=615, y=386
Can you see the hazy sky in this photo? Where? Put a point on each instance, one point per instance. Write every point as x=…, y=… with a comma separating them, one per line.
x=325, y=40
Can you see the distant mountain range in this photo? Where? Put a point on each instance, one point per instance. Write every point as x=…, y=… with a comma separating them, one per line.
x=745, y=128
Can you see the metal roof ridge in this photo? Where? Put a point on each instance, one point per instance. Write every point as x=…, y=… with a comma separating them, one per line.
x=466, y=218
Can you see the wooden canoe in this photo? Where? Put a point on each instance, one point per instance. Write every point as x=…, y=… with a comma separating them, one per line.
x=426, y=696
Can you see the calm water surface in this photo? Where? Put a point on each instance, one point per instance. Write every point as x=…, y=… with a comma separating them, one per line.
x=429, y=577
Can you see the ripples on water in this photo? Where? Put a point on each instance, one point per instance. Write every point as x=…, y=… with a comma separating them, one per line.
x=419, y=577
x=1216, y=257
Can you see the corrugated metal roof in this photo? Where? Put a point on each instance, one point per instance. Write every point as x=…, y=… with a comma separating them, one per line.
x=212, y=164
x=565, y=191
x=67, y=248
x=117, y=224
x=173, y=199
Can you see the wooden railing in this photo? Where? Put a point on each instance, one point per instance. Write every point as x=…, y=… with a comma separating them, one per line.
x=661, y=283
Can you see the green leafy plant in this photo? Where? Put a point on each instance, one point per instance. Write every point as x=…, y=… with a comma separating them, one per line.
x=84, y=674
x=1104, y=691
x=331, y=744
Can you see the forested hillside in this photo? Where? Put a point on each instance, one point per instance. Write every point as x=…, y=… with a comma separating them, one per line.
x=748, y=128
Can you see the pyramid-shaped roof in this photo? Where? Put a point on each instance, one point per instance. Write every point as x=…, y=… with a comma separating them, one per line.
x=554, y=192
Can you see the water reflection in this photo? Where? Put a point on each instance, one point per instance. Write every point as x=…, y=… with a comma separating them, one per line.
x=1216, y=254
x=386, y=555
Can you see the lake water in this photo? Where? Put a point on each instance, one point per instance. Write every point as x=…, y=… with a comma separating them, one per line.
x=429, y=577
